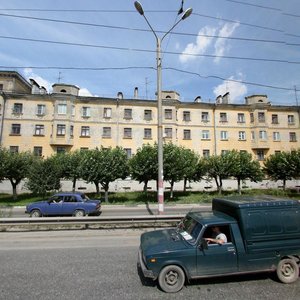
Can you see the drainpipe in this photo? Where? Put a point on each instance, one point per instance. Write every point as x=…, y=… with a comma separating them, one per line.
x=215, y=130
x=3, y=116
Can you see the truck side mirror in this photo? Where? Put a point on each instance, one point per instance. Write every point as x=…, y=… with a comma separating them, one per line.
x=203, y=245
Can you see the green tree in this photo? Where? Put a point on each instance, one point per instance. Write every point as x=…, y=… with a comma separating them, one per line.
x=219, y=167
x=103, y=166
x=279, y=167
x=15, y=167
x=71, y=163
x=143, y=165
x=245, y=168
x=179, y=164
x=44, y=175
x=295, y=163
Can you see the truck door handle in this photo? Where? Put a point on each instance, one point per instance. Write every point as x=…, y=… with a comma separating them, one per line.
x=231, y=249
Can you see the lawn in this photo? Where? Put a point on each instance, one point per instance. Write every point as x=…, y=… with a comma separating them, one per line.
x=134, y=198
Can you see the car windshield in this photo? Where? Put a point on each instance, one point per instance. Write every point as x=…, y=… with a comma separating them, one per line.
x=189, y=229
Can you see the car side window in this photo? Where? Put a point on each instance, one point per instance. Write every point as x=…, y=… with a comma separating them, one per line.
x=210, y=232
x=56, y=199
x=70, y=199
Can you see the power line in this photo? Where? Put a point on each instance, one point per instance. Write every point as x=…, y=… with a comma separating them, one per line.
x=149, y=68
x=141, y=30
x=150, y=51
x=254, y=5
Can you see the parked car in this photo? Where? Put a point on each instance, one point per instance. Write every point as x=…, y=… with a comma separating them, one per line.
x=258, y=235
x=65, y=204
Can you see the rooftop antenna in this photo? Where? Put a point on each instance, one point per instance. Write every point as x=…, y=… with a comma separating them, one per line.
x=59, y=77
x=296, y=95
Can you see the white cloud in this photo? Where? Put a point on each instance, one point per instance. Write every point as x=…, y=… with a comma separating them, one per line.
x=236, y=89
x=221, y=45
x=28, y=73
x=85, y=92
x=199, y=47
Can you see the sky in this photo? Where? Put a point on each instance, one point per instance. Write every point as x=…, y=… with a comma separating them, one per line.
x=244, y=47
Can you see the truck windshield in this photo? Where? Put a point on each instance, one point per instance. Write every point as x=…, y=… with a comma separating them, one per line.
x=189, y=229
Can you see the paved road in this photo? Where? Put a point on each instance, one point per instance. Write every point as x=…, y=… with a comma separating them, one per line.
x=120, y=210
x=97, y=264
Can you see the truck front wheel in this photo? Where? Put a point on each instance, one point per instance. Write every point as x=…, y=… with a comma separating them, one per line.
x=287, y=270
x=171, y=279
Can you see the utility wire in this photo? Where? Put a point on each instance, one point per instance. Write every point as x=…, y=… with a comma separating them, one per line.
x=254, y=5
x=150, y=51
x=142, y=30
x=149, y=68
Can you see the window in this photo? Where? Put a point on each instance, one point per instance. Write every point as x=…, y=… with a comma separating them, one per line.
x=127, y=133
x=73, y=110
x=41, y=109
x=18, y=108
x=39, y=130
x=61, y=129
x=147, y=114
x=86, y=112
x=106, y=132
x=60, y=150
x=16, y=129
x=252, y=135
x=1, y=87
x=274, y=119
x=84, y=148
x=223, y=117
x=251, y=117
x=186, y=116
x=14, y=149
x=241, y=118
x=168, y=114
x=71, y=130
x=293, y=137
x=38, y=151
x=260, y=154
x=168, y=132
x=205, y=134
x=128, y=152
x=147, y=133
x=205, y=153
x=85, y=130
x=186, y=134
x=127, y=113
x=242, y=135
x=62, y=109
x=223, y=152
x=291, y=119
x=261, y=117
x=276, y=136
x=204, y=116
x=262, y=135
x=107, y=112
x=224, y=135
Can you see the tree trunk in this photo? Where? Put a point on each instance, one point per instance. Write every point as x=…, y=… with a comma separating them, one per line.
x=239, y=186
x=74, y=184
x=171, y=190
x=14, y=187
x=284, y=184
x=97, y=187
x=145, y=186
x=184, y=184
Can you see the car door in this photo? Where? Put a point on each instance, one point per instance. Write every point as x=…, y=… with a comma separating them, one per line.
x=54, y=206
x=69, y=205
x=217, y=258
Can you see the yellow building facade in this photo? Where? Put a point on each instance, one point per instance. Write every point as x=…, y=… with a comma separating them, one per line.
x=33, y=120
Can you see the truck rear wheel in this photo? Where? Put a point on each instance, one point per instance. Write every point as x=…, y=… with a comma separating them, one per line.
x=171, y=279
x=287, y=270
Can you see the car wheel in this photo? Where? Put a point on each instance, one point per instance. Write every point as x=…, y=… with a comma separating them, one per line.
x=79, y=213
x=171, y=279
x=35, y=213
x=287, y=270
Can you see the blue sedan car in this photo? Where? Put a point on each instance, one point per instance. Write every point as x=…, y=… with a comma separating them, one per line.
x=65, y=204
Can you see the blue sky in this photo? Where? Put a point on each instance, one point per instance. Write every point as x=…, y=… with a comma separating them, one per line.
x=105, y=47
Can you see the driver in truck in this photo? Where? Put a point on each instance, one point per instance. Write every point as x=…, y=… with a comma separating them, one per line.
x=218, y=237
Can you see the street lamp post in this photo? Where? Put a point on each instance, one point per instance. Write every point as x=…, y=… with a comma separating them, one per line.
x=160, y=193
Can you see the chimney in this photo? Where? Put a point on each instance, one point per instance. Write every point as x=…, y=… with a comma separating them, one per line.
x=136, y=93
x=226, y=98
x=120, y=95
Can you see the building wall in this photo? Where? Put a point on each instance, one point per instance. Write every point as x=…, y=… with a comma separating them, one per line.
x=88, y=122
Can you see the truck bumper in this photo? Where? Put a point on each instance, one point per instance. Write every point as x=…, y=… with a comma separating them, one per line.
x=147, y=273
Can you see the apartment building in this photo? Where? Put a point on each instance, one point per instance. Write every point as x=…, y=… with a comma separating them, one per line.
x=31, y=119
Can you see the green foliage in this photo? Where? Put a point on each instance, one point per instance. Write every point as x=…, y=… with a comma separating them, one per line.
x=44, y=175
x=143, y=165
x=104, y=165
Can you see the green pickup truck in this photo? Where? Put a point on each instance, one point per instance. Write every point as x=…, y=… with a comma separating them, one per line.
x=261, y=235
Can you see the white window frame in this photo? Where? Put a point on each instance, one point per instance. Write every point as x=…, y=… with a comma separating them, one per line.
x=205, y=135
x=224, y=135
x=86, y=111
x=107, y=112
x=62, y=109
x=242, y=135
x=41, y=109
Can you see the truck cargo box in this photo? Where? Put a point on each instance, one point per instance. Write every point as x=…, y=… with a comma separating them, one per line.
x=266, y=223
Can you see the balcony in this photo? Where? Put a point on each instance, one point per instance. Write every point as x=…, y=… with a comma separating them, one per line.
x=260, y=145
x=61, y=141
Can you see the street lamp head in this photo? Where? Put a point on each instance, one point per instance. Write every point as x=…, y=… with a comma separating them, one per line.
x=138, y=7
x=187, y=13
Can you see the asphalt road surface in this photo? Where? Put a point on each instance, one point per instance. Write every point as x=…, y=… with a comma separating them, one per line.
x=98, y=264
x=119, y=210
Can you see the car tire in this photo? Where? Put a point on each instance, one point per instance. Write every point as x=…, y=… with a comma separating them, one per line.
x=35, y=213
x=79, y=213
x=287, y=270
x=171, y=279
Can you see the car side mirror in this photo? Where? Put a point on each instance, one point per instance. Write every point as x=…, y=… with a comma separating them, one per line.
x=203, y=245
